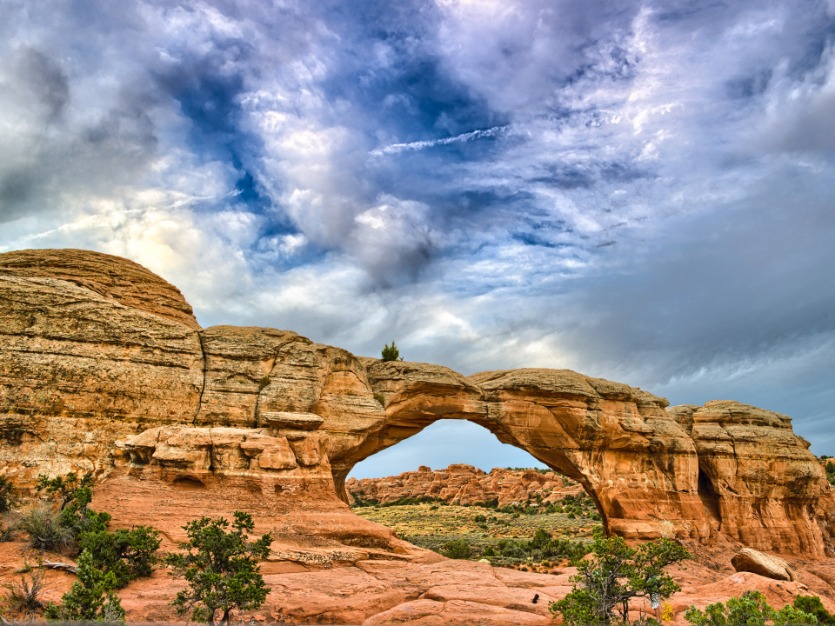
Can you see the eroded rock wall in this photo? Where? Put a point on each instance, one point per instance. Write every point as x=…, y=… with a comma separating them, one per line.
x=91, y=350
x=631, y=456
x=758, y=480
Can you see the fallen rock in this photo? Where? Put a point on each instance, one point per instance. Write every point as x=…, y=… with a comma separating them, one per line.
x=750, y=560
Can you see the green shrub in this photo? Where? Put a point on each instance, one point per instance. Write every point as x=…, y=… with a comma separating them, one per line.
x=24, y=597
x=457, y=549
x=540, y=539
x=128, y=554
x=74, y=527
x=830, y=472
x=360, y=502
x=750, y=609
x=813, y=606
x=513, y=549
x=391, y=353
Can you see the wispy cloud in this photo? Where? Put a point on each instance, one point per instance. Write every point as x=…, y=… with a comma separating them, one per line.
x=488, y=133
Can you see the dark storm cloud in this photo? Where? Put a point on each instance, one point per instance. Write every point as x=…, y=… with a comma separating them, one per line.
x=45, y=80
x=721, y=290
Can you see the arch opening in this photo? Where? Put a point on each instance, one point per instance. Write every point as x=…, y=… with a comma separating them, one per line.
x=443, y=443
x=454, y=487
x=402, y=427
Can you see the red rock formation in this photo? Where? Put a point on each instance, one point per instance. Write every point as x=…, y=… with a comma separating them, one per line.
x=465, y=484
x=99, y=358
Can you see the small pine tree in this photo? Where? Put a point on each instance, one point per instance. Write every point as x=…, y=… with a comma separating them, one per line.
x=220, y=567
x=391, y=353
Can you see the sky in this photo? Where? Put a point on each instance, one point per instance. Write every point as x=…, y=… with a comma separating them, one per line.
x=641, y=190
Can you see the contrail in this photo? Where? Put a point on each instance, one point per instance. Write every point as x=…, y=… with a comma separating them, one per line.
x=396, y=148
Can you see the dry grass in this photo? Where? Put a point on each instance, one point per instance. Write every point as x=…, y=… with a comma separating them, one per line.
x=500, y=537
x=23, y=599
x=453, y=520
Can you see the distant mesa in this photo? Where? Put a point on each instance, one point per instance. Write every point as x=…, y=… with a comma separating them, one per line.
x=104, y=368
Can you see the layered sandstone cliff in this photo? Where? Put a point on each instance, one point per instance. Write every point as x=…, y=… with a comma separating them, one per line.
x=103, y=368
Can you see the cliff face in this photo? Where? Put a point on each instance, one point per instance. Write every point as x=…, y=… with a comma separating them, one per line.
x=465, y=484
x=750, y=460
x=103, y=368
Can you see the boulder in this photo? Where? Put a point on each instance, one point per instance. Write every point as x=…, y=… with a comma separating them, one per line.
x=756, y=562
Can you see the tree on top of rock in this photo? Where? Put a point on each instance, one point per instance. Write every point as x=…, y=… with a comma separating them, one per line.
x=221, y=568
x=391, y=353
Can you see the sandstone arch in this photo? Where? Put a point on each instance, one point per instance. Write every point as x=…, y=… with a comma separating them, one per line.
x=630, y=455
x=102, y=364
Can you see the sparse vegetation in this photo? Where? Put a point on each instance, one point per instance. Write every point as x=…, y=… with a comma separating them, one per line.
x=107, y=561
x=752, y=609
x=359, y=502
x=23, y=598
x=580, y=506
x=830, y=472
x=45, y=531
x=539, y=541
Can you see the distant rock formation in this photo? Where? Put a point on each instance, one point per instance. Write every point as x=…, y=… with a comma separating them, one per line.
x=466, y=485
x=104, y=368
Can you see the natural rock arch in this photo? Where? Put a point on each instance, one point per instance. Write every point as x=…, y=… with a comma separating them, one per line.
x=618, y=442
x=102, y=363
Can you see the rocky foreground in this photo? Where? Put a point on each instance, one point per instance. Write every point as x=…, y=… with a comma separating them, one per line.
x=104, y=369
